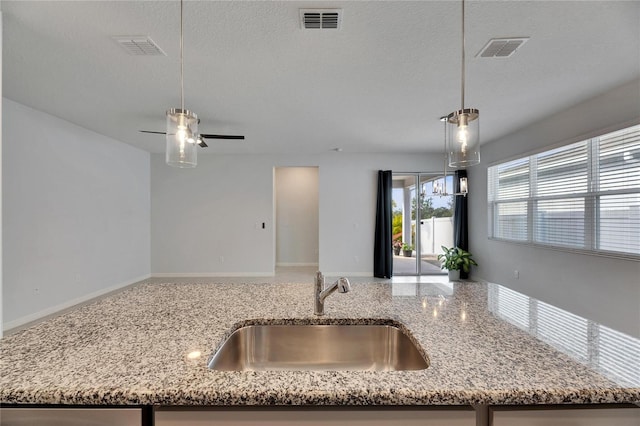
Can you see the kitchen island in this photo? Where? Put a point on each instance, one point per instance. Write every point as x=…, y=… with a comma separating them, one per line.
x=148, y=346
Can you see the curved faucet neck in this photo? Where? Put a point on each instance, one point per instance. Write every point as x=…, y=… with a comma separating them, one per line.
x=321, y=293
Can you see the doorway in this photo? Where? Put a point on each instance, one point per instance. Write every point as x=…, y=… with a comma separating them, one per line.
x=297, y=217
x=422, y=222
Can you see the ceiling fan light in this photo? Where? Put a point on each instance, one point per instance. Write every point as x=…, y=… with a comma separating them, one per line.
x=463, y=142
x=182, y=134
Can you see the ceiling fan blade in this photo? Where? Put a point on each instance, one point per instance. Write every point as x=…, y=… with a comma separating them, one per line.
x=201, y=137
x=208, y=136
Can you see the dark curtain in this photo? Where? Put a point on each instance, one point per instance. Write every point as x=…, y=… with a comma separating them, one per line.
x=460, y=218
x=382, y=250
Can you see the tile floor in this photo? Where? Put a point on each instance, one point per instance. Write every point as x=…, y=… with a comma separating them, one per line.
x=295, y=274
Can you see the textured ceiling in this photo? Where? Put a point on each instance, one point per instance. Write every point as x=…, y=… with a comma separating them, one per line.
x=377, y=85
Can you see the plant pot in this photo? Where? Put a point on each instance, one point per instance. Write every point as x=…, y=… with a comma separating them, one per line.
x=407, y=253
x=454, y=275
x=396, y=251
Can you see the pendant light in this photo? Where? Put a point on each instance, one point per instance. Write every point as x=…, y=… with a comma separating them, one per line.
x=441, y=188
x=463, y=147
x=182, y=124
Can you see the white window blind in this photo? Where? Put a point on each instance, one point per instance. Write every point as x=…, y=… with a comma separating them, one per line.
x=508, y=193
x=583, y=196
x=560, y=187
x=618, y=204
x=562, y=171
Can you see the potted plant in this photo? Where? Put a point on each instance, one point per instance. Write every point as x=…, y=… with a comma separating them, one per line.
x=407, y=250
x=454, y=260
x=397, y=246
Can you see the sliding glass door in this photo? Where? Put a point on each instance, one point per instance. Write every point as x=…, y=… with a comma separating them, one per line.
x=421, y=222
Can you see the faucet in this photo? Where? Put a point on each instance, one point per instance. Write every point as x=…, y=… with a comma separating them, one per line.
x=321, y=293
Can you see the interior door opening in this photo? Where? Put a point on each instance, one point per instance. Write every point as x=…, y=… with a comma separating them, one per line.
x=297, y=218
x=422, y=222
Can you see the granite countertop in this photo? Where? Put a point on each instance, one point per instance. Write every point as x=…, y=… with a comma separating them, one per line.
x=132, y=348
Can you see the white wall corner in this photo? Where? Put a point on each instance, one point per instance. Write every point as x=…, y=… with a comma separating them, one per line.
x=97, y=224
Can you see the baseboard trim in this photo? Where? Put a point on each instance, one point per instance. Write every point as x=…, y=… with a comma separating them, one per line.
x=348, y=274
x=286, y=264
x=211, y=274
x=31, y=319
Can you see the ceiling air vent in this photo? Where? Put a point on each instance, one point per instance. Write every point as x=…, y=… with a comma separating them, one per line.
x=139, y=45
x=501, y=47
x=320, y=19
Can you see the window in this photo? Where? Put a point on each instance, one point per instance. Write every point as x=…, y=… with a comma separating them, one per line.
x=509, y=185
x=582, y=196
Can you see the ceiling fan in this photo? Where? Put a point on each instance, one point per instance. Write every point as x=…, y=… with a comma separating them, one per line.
x=201, y=136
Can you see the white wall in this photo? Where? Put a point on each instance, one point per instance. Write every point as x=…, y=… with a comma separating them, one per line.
x=606, y=290
x=220, y=205
x=1, y=322
x=208, y=220
x=297, y=219
x=76, y=214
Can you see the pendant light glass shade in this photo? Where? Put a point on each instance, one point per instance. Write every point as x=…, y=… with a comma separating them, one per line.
x=463, y=142
x=463, y=184
x=182, y=138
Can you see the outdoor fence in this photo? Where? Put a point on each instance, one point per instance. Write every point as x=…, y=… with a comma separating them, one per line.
x=434, y=233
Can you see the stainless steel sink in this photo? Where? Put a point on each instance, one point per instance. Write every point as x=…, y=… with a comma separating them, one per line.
x=318, y=347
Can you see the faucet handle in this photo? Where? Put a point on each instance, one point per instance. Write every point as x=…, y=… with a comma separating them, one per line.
x=343, y=285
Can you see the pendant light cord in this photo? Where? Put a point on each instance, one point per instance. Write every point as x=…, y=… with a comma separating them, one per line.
x=181, y=62
x=463, y=55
